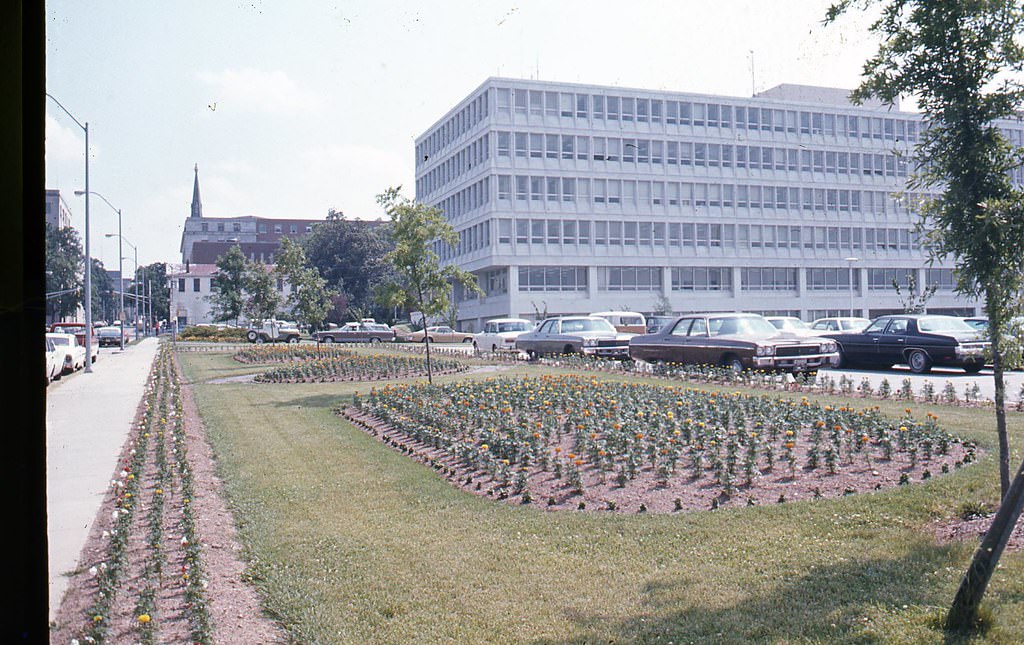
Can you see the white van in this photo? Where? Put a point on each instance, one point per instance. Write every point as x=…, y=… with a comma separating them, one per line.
x=625, y=321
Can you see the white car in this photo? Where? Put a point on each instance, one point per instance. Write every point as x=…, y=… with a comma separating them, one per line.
x=54, y=361
x=499, y=335
x=74, y=354
x=842, y=325
x=791, y=325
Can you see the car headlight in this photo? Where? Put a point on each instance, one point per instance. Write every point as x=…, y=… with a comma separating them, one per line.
x=765, y=350
x=828, y=348
x=590, y=342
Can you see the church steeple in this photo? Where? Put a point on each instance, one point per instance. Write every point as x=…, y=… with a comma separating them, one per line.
x=197, y=205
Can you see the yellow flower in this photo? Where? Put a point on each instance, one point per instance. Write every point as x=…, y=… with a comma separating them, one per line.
x=144, y=618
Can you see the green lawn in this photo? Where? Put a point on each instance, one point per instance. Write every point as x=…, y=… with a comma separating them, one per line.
x=352, y=542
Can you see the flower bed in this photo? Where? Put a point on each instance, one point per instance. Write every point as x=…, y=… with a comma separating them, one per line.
x=574, y=441
x=345, y=366
x=288, y=353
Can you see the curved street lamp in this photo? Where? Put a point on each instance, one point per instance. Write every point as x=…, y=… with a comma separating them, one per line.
x=88, y=259
x=120, y=271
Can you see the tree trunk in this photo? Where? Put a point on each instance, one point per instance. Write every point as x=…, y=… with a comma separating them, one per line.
x=963, y=614
x=996, y=326
x=426, y=341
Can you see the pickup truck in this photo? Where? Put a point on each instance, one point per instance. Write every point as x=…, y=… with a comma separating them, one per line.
x=273, y=331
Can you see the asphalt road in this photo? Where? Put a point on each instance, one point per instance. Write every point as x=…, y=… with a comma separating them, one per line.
x=88, y=418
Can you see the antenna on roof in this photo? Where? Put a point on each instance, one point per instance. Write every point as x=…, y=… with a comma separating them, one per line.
x=753, y=85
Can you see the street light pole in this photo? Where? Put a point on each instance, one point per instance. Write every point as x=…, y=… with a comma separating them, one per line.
x=88, y=259
x=120, y=266
x=851, y=262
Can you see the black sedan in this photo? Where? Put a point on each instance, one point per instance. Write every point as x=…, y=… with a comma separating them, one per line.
x=918, y=340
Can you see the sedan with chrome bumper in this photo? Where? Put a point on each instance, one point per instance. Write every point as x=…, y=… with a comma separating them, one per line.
x=737, y=340
x=589, y=335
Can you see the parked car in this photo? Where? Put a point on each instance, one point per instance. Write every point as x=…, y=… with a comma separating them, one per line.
x=439, y=334
x=77, y=329
x=625, y=321
x=918, y=340
x=54, y=361
x=737, y=340
x=499, y=335
x=74, y=354
x=274, y=331
x=980, y=323
x=656, y=322
x=356, y=332
x=792, y=325
x=842, y=325
x=590, y=335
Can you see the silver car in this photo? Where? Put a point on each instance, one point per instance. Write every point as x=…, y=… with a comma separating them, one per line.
x=589, y=335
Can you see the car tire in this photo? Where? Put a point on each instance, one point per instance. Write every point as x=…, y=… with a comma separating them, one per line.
x=251, y=336
x=844, y=362
x=328, y=339
x=293, y=340
x=425, y=340
x=973, y=369
x=734, y=363
x=259, y=340
x=569, y=349
x=467, y=340
x=919, y=361
x=375, y=341
x=494, y=349
x=531, y=355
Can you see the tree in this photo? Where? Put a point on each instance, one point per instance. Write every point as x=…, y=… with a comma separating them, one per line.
x=227, y=287
x=153, y=278
x=310, y=299
x=350, y=257
x=261, y=299
x=913, y=302
x=958, y=58
x=104, y=304
x=65, y=262
x=419, y=281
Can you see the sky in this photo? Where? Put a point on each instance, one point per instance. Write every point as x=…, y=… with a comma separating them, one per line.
x=293, y=108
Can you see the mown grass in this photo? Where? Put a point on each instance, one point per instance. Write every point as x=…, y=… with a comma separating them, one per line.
x=352, y=542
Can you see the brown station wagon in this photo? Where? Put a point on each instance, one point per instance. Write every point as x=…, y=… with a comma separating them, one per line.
x=737, y=340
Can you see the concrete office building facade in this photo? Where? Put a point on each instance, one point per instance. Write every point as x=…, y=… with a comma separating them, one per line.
x=573, y=198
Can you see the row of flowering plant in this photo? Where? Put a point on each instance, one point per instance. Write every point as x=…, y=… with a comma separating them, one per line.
x=356, y=368
x=582, y=432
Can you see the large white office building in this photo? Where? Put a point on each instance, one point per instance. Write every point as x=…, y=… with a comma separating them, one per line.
x=576, y=198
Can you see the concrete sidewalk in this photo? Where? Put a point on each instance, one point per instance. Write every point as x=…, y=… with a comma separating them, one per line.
x=88, y=418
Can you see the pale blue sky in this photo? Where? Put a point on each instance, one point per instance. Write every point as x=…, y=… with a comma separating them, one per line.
x=292, y=108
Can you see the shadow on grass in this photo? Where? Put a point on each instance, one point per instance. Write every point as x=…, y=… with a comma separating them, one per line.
x=826, y=604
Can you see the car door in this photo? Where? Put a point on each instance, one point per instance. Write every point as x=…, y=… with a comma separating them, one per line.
x=862, y=347
x=891, y=342
x=697, y=348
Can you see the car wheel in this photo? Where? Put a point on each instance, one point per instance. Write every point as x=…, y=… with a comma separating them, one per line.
x=328, y=339
x=425, y=340
x=494, y=349
x=259, y=340
x=919, y=362
x=251, y=336
x=293, y=340
x=531, y=355
x=569, y=349
x=973, y=369
x=467, y=340
x=733, y=363
x=844, y=362
x=375, y=341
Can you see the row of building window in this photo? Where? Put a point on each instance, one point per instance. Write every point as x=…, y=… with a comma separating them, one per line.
x=454, y=166
x=651, y=235
x=467, y=200
x=453, y=127
x=545, y=191
x=198, y=284
x=629, y=278
x=533, y=145
x=627, y=110
x=236, y=227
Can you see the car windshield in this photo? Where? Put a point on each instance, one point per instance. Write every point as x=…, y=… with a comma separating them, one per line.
x=70, y=329
x=586, y=324
x=514, y=326
x=943, y=323
x=749, y=326
x=60, y=341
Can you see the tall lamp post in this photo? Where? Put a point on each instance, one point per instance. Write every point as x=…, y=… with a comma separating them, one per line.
x=120, y=270
x=852, y=261
x=88, y=258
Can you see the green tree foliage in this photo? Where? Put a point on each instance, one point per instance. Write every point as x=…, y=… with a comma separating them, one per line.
x=914, y=300
x=227, y=287
x=419, y=280
x=65, y=263
x=105, y=304
x=154, y=277
x=261, y=300
x=960, y=60
x=309, y=299
x=349, y=255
